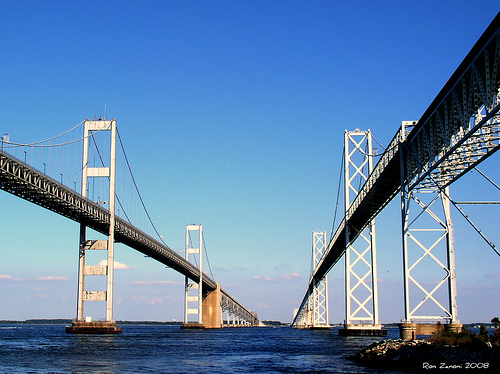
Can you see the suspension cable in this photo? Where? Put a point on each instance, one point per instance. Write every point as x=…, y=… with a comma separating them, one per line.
x=338, y=194
x=137, y=189
x=34, y=144
x=208, y=260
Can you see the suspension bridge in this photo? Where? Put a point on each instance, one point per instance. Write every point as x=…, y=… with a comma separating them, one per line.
x=459, y=130
x=48, y=173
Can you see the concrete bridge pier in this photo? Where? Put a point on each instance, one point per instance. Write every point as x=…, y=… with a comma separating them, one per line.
x=211, y=312
x=409, y=330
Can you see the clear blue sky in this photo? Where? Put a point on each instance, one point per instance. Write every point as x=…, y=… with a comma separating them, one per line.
x=232, y=114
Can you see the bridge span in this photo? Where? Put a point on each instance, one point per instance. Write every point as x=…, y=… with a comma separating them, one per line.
x=458, y=131
x=28, y=183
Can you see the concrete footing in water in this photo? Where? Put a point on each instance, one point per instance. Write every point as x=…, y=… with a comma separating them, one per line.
x=323, y=327
x=193, y=326
x=93, y=328
x=363, y=330
x=409, y=331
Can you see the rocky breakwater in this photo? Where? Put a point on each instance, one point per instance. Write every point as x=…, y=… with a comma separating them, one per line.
x=425, y=356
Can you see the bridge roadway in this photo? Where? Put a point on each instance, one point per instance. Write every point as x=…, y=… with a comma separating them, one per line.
x=21, y=180
x=475, y=83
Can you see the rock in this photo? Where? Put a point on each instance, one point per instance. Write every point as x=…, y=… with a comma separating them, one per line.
x=423, y=356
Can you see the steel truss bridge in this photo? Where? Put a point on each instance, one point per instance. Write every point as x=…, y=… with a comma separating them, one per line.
x=458, y=131
x=24, y=181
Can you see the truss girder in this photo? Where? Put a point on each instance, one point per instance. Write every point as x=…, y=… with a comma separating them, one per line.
x=461, y=128
x=229, y=304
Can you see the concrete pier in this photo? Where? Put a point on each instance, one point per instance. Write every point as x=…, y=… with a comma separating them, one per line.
x=409, y=331
x=362, y=330
x=93, y=328
x=193, y=326
x=211, y=312
x=325, y=327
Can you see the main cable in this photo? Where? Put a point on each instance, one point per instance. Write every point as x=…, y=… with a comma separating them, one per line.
x=137, y=189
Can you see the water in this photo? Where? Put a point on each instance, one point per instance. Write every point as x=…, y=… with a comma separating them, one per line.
x=168, y=349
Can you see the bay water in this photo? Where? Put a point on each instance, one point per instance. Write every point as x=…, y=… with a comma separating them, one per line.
x=47, y=349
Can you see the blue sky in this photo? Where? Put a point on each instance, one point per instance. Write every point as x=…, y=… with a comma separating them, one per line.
x=232, y=114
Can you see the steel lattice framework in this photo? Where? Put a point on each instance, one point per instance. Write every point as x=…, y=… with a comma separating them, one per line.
x=428, y=256
x=360, y=264
x=320, y=293
x=315, y=314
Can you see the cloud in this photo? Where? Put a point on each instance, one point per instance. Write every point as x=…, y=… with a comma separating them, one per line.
x=147, y=300
x=156, y=300
x=290, y=277
x=265, y=279
x=155, y=282
x=118, y=265
x=40, y=296
x=50, y=278
x=10, y=278
x=279, y=278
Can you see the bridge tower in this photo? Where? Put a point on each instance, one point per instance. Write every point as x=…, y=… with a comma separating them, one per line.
x=194, y=290
x=314, y=314
x=428, y=255
x=82, y=325
x=362, y=316
x=320, y=319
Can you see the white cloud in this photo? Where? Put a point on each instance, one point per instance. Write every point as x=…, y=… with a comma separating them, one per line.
x=283, y=277
x=118, y=265
x=290, y=277
x=265, y=279
x=147, y=300
x=155, y=282
x=50, y=278
x=9, y=277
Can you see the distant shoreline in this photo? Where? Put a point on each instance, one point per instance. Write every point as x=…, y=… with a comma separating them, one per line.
x=67, y=321
x=64, y=321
